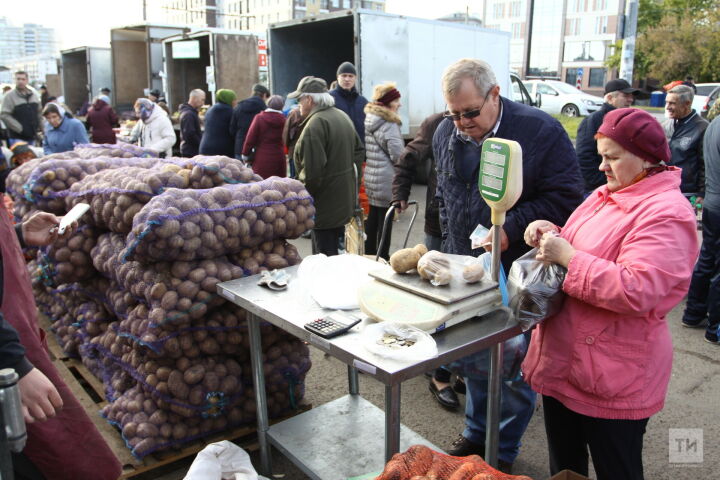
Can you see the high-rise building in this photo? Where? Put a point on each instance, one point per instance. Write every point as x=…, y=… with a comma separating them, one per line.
x=567, y=40
x=24, y=43
x=253, y=15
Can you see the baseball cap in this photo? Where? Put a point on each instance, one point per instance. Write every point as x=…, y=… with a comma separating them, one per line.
x=621, y=85
x=309, y=85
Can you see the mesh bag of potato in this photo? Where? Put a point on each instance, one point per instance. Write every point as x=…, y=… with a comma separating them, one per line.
x=200, y=224
x=68, y=260
x=421, y=463
x=180, y=292
x=116, y=196
x=122, y=150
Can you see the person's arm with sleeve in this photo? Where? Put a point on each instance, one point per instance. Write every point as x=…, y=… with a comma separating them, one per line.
x=167, y=136
x=440, y=187
x=311, y=153
x=45, y=145
x=414, y=153
x=135, y=133
x=112, y=116
x=701, y=165
x=251, y=139
x=6, y=114
x=79, y=134
x=189, y=128
x=359, y=158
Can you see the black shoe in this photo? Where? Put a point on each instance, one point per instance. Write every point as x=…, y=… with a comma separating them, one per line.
x=505, y=467
x=462, y=447
x=459, y=386
x=445, y=397
x=701, y=324
x=712, y=338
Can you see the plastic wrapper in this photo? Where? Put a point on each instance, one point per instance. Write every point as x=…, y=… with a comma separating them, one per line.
x=116, y=196
x=179, y=292
x=442, y=269
x=200, y=224
x=535, y=289
x=398, y=342
x=333, y=282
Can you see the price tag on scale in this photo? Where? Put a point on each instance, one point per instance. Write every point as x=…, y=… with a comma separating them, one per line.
x=500, y=179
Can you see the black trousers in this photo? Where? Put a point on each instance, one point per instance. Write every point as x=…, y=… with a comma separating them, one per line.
x=326, y=241
x=374, y=229
x=615, y=445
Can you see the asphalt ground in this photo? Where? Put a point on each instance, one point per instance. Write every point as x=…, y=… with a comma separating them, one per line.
x=693, y=402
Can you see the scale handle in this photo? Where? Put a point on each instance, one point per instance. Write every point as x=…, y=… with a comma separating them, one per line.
x=497, y=217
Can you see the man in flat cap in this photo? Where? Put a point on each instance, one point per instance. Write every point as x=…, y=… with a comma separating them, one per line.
x=327, y=156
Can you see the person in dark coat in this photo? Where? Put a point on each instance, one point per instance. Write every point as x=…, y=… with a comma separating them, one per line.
x=264, y=141
x=552, y=186
x=44, y=95
x=244, y=113
x=618, y=94
x=190, y=131
x=348, y=99
x=684, y=130
x=101, y=118
x=415, y=154
x=218, y=139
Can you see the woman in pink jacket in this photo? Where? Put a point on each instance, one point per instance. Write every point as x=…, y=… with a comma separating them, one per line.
x=603, y=362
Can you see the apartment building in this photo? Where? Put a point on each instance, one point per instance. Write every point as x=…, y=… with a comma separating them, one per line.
x=29, y=46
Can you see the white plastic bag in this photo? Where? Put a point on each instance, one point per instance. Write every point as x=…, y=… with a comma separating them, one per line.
x=423, y=348
x=333, y=282
x=222, y=461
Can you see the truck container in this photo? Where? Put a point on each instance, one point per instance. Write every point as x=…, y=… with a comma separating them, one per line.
x=137, y=61
x=85, y=70
x=210, y=60
x=410, y=51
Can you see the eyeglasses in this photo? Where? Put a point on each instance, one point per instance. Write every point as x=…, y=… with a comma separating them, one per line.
x=456, y=117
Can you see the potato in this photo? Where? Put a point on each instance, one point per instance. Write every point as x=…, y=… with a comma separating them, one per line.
x=404, y=260
x=473, y=273
x=194, y=374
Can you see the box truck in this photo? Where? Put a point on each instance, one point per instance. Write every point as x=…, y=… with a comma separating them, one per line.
x=85, y=70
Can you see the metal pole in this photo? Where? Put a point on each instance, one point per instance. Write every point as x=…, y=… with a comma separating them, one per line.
x=392, y=420
x=495, y=274
x=628, y=48
x=492, y=423
x=353, y=380
x=260, y=395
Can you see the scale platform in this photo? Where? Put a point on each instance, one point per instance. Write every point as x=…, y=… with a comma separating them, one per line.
x=429, y=308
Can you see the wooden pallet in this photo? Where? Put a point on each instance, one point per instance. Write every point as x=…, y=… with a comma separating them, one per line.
x=90, y=392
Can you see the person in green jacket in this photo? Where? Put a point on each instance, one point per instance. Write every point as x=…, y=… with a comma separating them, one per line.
x=327, y=155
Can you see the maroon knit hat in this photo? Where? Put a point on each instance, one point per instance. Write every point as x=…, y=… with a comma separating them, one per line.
x=390, y=95
x=637, y=131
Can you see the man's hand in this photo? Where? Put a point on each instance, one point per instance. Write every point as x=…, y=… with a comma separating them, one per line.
x=504, y=240
x=400, y=205
x=555, y=249
x=40, y=398
x=41, y=229
x=536, y=229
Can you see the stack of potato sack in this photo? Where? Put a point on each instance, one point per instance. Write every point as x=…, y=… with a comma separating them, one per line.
x=133, y=291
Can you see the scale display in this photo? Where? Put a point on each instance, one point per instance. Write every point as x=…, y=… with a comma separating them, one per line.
x=494, y=163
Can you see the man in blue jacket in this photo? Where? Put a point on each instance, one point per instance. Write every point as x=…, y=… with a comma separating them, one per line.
x=552, y=188
x=348, y=99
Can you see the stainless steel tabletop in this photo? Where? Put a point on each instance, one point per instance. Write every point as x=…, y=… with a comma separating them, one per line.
x=292, y=308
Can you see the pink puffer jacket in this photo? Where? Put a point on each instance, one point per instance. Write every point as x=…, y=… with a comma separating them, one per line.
x=608, y=353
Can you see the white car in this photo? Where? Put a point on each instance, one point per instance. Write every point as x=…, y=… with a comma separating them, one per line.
x=561, y=98
x=700, y=100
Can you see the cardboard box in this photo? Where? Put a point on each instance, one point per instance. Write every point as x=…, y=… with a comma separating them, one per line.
x=568, y=475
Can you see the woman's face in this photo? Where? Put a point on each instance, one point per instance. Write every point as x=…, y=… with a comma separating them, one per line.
x=53, y=119
x=395, y=105
x=620, y=166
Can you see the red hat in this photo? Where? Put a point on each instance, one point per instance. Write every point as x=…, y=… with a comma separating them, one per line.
x=638, y=132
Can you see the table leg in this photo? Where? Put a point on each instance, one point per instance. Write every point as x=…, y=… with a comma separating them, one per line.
x=353, y=380
x=494, y=398
x=392, y=420
x=260, y=395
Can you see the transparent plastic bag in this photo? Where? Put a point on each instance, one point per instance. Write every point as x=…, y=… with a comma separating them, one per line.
x=535, y=289
x=376, y=336
x=442, y=269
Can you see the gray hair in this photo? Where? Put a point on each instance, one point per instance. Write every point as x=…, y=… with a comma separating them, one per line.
x=685, y=93
x=479, y=71
x=197, y=93
x=320, y=100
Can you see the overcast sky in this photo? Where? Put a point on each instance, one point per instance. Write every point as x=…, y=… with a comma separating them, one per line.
x=88, y=22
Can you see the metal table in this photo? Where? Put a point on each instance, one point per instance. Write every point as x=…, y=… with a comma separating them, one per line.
x=301, y=436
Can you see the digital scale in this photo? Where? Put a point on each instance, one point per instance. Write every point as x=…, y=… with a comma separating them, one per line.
x=393, y=295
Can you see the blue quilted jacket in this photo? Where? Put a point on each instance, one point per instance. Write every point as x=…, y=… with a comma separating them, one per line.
x=552, y=184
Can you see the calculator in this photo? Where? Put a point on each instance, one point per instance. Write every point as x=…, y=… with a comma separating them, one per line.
x=333, y=325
